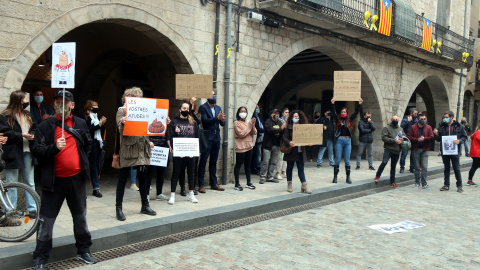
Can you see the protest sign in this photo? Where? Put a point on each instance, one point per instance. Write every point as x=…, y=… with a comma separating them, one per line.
x=146, y=116
x=193, y=85
x=185, y=147
x=347, y=85
x=159, y=156
x=449, y=148
x=306, y=134
x=63, y=65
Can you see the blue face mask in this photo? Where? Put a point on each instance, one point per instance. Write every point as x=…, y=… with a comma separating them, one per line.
x=38, y=99
x=446, y=120
x=257, y=111
x=295, y=120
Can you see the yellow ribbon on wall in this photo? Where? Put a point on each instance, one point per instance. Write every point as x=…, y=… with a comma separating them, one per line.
x=465, y=55
x=433, y=44
x=367, y=15
x=374, y=20
x=216, y=47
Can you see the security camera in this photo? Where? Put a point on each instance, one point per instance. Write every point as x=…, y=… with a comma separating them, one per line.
x=255, y=17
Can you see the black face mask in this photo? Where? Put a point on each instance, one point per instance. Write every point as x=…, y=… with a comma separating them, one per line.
x=463, y=122
x=95, y=110
x=184, y=113
x=395, y=123
x=25, y=105
x=317, y=116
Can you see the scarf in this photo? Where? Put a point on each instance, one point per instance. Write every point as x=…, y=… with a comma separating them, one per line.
x=97, y=136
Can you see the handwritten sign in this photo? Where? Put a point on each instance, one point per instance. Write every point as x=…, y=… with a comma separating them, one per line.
x=193, y=85
x=186, y=147
x=146, y=116
x=307, y=134
x=449, y=148
x=159, y=156
x=347, y=85
x=63, y=65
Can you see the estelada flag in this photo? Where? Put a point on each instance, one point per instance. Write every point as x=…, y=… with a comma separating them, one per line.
x=385, y=17
x=427, y=34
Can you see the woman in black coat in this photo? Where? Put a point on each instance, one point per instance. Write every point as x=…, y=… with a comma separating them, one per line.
x=17, y=125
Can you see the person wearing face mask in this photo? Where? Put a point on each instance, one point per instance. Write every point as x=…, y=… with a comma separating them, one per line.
x=449, y=127
x=366, y=127
x=343, y=133
x=271, y=147
x=420, y=135
x=407, y=122
x=257, y=149
x=17, y=126
x=468, y=131
x=96, y=127
x=475, y=155
x=64, y=170
x=312, y=151
x=282, y=165
x=392, y=138
x=244, y=131
x=298, y=154
x=39, y=110
x=212, y=119
x=328, y=123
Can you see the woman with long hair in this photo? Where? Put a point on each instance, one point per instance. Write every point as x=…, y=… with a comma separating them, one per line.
x=343, y=135
x=17, y=125
x=282, y=165
x=244, y=131
x=475, y=155
x=298, y=153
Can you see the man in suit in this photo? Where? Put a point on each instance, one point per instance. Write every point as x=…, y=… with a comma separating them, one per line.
x=212, y=118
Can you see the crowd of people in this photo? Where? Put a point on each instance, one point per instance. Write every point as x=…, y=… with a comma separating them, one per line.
x=62, y=160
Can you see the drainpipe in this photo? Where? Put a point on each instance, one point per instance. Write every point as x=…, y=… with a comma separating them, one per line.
x=215, y=56
x=461, y=76
x=227, y=92
x=237, y=50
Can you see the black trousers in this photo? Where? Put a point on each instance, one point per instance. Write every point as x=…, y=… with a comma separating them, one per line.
x=181, y=178
x=245, y=159
x=179, y=165
x=142, y=184
x=456, y=169
x=387, y=154
x=473, y=169
x=160, y=177
x=71, y=189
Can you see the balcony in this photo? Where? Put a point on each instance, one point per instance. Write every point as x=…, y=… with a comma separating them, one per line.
x=346, y=19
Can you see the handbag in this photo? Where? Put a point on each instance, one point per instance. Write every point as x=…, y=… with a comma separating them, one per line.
x=286, y=149
x=116, y=154
x=203, y=138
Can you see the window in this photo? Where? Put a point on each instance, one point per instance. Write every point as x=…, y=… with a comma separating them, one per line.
x=405, y=19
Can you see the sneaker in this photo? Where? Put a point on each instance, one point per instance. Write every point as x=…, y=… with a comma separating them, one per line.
x=192, y=198
x=425, y=187
x=9, y=222
x=394, y=185
x=86, y=258
x=262, y=181
x=171, y=201
x=416, y=185
x=371, y=168
x=402, y=170
x=357, y=168
x=472, y=184
x=459, y=189
x=278, y=177
x=272, y=180
x=239, y=188
x=32, y=214
x=134, y=187
x=250, y=186
x=39, y=267
x=376, y=179
x=445, y=188
x=319, y=165
x=161, y=197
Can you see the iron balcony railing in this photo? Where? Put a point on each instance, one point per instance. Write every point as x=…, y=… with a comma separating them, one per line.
x=352, y=11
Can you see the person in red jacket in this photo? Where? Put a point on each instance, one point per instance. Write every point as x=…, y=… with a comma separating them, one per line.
x=475, y=155
x=420, y=135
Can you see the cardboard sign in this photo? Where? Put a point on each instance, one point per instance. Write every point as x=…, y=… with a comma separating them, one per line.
x=186, y=147
x=347, y=85
x=146, y=117
x=193, y=85
x=63, y=65
x=159, y=156
x=306, y=134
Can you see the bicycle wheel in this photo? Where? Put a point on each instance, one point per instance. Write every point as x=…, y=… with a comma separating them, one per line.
x=21, y=222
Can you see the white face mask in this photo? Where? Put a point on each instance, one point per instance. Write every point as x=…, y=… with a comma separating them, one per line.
x=295, y=120
x=242, y=115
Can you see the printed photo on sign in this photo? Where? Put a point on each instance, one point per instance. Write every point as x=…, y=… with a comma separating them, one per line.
x=146, y=116
x=159, y=156
x=448, y=146
x=185, y=147
x=63, y=65
x=158, y=122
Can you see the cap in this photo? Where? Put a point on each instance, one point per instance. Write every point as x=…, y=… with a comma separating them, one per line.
x=274, y=111
x=68, y=95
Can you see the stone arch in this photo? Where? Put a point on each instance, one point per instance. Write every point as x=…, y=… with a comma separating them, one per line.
x=155, y=28
x=296, y=86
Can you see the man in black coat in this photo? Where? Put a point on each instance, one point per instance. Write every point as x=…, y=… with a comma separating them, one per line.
x=271, y=146
x=328, y=137
x=366, y=127
x=257, y=149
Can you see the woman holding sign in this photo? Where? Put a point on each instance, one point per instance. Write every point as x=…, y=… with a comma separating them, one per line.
x=244, y=131
x=182, y=126
x=343, y=136
x=297, y=153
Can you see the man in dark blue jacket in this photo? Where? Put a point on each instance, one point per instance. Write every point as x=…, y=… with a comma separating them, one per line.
x=257, y=149
x=212, y=119
x=407, y=122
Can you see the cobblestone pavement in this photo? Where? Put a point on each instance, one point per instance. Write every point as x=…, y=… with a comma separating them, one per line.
x=336, y=236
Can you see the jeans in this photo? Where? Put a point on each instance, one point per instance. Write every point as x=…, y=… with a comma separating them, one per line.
x=179, y=164
x=212, y=150
x=133, y=175
x=270, y=158
x=28, y=179
x=94, y=163
x=361, y=147
x=256, y=158
x=142, y=184
x=467, y=146
x=300, y=167
x=456, y=169
x=387, y=154
x=420, y=158
x=343, y=145
x=245, y=159
x=321, y=151
x=404, y=157
x=475, y=165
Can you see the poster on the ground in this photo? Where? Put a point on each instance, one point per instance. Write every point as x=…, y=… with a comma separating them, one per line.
x=193, y=85
x=186, y=147
x=159, y=156
x=63, y=65
x=387, y=228
x=306, y=134
x=409, y=225
x=449, y=148
x=146, y=116
x=347, y=85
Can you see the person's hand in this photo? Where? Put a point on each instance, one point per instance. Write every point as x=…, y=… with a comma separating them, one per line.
x=435, y=131
x=27, y=136
x=254, y=120
x=409, y=118
x=333, y=101
x=456, y=141
x=168, y=121
x=193, y=99
x=369, y=120
x=421, y=139
x=360, y=101
x=171, y=150
x=46, y=116
x=152, y=145
x=182, y=157
x=190, y=156
x=310, y=144
x=325, y=127
x=61, y=143
x=284, y=125
x=292, y=144
x=3, y=139
x=123, y=119
x=399, y=141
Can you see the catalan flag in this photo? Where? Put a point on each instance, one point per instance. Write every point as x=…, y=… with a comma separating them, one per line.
x=427, y=34
x=385, y=17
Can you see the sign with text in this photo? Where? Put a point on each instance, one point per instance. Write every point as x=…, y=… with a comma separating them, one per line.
x=146, y=117
x=159, y=156
x=306, y=134
x=193, y=85
x=347, y=85
x=63, y=65
x=449, y=148
x=186, y=147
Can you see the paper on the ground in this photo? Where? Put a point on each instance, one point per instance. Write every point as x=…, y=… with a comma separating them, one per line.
x=409, y=225
x=387, y=228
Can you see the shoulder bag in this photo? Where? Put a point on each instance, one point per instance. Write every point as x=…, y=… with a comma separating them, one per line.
x=116, y=154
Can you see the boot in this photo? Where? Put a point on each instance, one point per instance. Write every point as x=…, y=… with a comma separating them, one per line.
x=305, y=188
x=147, y=210
x=347, y=170
x=289, y=187
x=120, y=215
x=335, y=173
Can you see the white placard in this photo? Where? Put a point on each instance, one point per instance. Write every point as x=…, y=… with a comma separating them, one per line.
x=140, y=109
x=185, y=147
x=159, y=156
x=449, y=148
x=387, y=228
x=408, y=225
x=63, y=65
